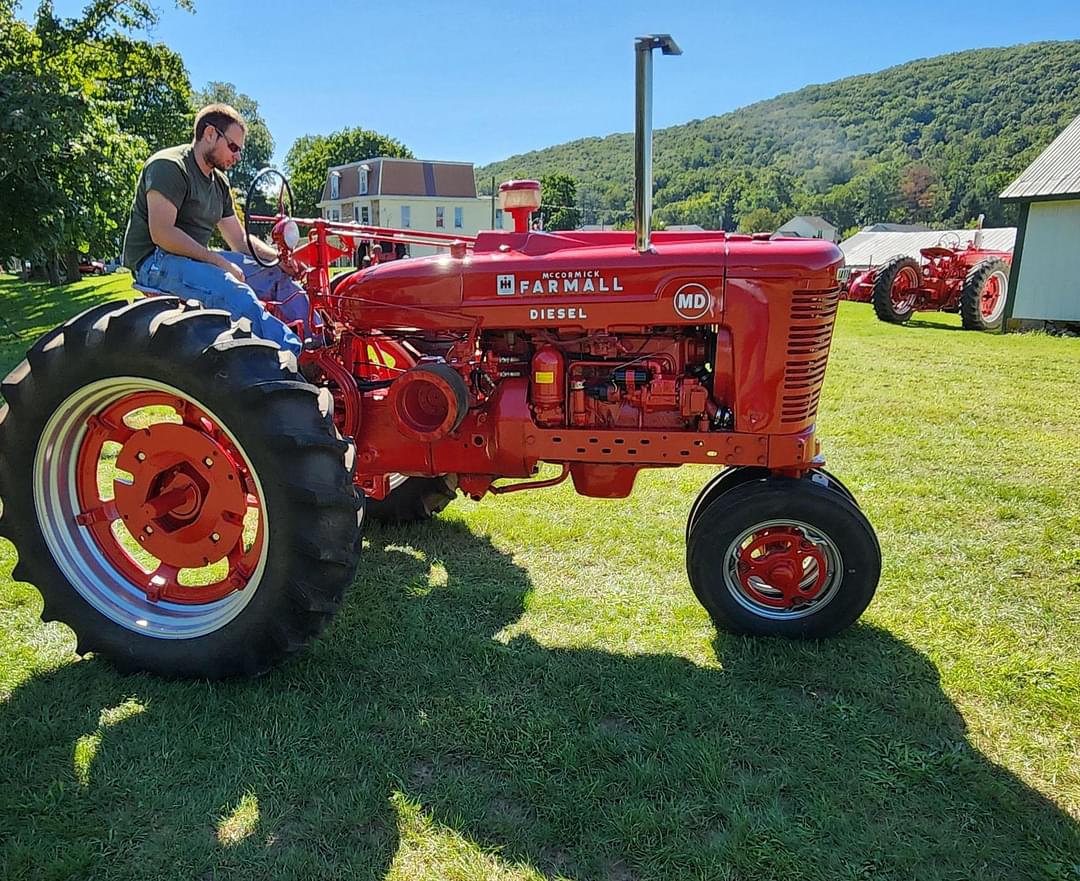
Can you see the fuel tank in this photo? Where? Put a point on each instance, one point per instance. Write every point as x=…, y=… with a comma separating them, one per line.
x=585, y=280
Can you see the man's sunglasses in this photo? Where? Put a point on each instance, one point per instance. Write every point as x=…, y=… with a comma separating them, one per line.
x=233, y=147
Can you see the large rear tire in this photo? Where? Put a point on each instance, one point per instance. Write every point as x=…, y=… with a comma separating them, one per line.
x=176, y=491
x=982, y=301
x=782, y=557
x=894, y=287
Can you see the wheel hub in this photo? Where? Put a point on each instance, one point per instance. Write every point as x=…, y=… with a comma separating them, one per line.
x=781, y=569
x=186, y=501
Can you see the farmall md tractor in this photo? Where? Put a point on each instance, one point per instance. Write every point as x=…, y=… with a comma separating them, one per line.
x=970, y=280
x=189, y=499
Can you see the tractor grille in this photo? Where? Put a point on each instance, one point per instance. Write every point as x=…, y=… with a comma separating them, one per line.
x=813, y=314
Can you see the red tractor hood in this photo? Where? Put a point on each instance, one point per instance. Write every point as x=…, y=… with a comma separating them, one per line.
x=588, y=280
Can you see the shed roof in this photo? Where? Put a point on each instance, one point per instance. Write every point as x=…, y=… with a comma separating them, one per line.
x=874, y=248
x=1054, y=174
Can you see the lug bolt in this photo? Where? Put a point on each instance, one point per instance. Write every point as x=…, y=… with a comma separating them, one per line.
x=149, y=530
x=208, y=462
x=141, y=456
x=215, y=537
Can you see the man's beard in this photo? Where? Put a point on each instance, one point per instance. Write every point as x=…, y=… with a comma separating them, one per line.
x=215, y=163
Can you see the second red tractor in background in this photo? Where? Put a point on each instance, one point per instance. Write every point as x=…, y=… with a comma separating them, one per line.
x=971, y=280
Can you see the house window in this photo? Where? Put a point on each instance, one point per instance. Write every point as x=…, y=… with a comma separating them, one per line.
x=356, y=213
x=365, y=216
x=363, y=181
x=334, y=181
x=458, y=219
x=498, y=218
x=440, y=221
x=335, y=214
x=404, y=216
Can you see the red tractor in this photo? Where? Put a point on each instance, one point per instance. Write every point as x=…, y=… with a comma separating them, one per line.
x=970, y=280
x=189, y=498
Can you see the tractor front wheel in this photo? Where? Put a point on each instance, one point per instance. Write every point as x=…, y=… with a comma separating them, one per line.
x=783, y=557
x=895, y=287
x=412, y=499
x=982, y=301
x=176, y=492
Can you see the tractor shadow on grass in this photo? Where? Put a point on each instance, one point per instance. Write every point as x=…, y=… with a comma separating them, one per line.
x=417, y=739
x=932, y=325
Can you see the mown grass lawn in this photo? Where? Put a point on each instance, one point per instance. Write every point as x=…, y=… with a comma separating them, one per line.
x=526, y=688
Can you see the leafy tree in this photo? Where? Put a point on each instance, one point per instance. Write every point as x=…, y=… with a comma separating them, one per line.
x=258, y=143
x=311, y=156
x=558, y=209
x=761, y=220
x=68, y=165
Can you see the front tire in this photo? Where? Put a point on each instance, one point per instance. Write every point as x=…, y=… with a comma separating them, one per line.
x=414, y=499
x=894, y=289
x=782, y=557
x=178, y=496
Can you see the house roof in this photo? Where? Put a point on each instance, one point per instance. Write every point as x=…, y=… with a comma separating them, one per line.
x=404, y=177
x=874, y=248
x=1054, y=174
x=813, y=219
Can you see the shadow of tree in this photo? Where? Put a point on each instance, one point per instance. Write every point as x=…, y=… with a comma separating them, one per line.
x=417, y=720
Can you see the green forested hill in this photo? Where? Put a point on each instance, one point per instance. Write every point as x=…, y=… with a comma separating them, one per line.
x=931, y=141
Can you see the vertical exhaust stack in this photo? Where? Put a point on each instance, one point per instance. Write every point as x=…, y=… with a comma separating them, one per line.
x=643, y=49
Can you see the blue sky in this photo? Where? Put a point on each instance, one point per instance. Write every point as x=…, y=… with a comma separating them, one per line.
x=485, y=80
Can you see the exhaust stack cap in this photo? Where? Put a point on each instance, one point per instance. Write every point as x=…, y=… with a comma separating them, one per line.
x=643, y=49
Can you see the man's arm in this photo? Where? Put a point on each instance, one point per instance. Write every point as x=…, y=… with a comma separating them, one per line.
x=234, y=236
x=161, y=214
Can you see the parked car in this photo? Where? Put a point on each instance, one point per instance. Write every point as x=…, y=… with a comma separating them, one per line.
x=91, y=267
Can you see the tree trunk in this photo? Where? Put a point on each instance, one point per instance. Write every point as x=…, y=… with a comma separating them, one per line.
x=52, y=269
x=71, y=266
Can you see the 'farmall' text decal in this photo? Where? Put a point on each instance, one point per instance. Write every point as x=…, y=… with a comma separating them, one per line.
x=570, y=281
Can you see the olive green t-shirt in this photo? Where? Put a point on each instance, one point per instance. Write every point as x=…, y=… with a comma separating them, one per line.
x=200, y=201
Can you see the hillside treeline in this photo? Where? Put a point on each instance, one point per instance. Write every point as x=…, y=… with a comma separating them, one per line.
x=931, y=141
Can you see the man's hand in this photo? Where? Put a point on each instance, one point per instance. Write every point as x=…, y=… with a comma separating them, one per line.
x=236, y=271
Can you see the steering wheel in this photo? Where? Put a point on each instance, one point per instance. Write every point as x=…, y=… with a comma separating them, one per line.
x=949, y=240
x=284, y=195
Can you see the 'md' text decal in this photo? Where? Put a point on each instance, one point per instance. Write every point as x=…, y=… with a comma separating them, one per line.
x=693, y=301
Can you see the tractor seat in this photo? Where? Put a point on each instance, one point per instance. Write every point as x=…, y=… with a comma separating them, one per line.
x=935, y=252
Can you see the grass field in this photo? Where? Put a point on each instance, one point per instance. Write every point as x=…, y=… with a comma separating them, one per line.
x=526, y=688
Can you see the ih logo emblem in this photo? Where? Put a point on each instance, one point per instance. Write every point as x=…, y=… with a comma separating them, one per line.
x=506, y=285
x=693, y=301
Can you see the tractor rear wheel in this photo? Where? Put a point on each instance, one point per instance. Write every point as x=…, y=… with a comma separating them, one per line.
x=783, y=557
x=982, y=301
x=414, y=499
x=176, y=491
x=894, y=289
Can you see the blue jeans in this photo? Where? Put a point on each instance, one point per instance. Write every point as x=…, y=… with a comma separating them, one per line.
x=217, y=289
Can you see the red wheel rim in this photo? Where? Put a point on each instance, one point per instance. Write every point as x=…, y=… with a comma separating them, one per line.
x=783, y=569
x=903, y=289
x=990, y=300
x=184, y=496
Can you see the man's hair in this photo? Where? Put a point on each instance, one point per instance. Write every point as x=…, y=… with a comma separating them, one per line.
x=220, y=116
